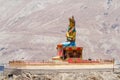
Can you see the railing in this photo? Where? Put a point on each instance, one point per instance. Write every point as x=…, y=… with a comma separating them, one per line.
x=68, y=62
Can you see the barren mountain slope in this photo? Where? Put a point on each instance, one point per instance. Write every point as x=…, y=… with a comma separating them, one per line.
x=31, y=29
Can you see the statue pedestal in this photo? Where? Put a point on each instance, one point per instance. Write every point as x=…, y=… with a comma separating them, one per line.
x=68, y=52
x=73, y=52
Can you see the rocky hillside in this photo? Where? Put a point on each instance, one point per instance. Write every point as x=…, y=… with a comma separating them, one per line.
x=65, y=76
x=31, y=29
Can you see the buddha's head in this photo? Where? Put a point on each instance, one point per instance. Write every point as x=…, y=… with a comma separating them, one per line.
x=71, y=22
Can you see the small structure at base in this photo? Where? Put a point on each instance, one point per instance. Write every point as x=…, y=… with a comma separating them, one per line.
x=68, y=52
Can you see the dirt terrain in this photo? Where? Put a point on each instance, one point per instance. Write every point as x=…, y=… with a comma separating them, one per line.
x=80, y=74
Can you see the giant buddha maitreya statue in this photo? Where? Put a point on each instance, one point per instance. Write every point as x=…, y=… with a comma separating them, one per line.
x=70, y=36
